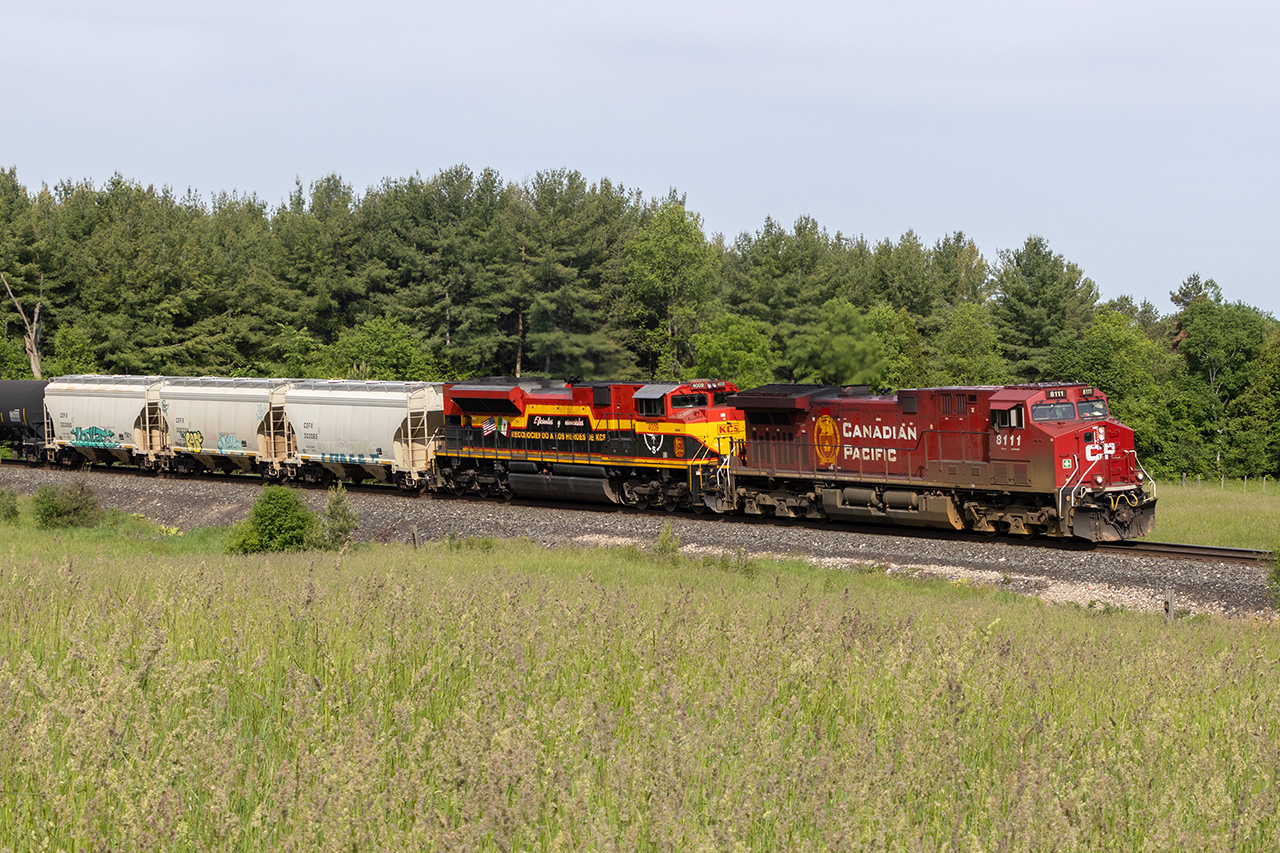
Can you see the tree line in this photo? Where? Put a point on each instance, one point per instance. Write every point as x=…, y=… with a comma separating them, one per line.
x=466, y=274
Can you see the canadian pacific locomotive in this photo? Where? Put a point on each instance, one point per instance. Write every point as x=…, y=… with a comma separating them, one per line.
x=1025, y=459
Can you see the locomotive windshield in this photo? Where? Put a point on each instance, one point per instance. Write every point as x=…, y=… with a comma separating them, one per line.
x=1091, y=410
x=1060, y=411
x=688, y=401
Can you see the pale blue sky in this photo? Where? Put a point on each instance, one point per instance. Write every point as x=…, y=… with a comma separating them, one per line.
x=1139, y=138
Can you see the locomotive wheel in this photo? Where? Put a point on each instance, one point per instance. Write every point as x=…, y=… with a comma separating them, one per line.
x=670, y=504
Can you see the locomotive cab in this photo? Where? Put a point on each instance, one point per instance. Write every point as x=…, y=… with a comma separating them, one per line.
x=1099, y=480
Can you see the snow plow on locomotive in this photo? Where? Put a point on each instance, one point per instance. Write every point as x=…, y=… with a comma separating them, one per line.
x=1027, y=459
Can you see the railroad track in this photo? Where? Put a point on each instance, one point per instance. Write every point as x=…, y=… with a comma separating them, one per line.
x=1178, y=551
x=1132, y=547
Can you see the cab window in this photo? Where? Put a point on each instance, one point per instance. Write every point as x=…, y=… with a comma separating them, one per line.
x=1007, y=418
x=1091, y=410
x=721, y=398
x=650, y=408
x=1059, y=411
x=688, y=401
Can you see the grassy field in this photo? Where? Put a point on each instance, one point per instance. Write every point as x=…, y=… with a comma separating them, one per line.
x=481, y=695
x=1234, y=515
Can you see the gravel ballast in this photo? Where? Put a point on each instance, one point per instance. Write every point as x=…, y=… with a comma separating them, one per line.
x=1083, y=577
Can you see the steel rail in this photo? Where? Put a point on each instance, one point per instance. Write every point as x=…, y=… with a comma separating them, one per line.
x=1184, y=551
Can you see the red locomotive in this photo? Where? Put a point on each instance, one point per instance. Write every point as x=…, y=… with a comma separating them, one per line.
x=1020, y=459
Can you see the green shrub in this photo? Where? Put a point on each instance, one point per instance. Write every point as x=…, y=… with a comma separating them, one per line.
x=279, y=521
x=338, y=524
x=244, y=539
x=72, y=505
x=8, y=506
x=668, y=544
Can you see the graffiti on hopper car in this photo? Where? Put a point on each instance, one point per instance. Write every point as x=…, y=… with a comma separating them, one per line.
x=94, y=437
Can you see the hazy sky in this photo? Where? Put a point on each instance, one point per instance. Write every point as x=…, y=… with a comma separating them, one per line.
x=1139, y=138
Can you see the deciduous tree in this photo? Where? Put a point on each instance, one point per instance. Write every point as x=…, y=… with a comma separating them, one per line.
x=669, y=268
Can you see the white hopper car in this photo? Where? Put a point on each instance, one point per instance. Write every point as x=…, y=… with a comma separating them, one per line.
x=281, y=428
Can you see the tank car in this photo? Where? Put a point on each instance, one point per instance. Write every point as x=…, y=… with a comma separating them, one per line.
x=1024, y=459
x=632, y=443
x=22, y=421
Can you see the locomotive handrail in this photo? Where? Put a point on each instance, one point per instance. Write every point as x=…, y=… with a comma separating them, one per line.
x=1075, y=469
x=1147, y=477
x=1080, y=487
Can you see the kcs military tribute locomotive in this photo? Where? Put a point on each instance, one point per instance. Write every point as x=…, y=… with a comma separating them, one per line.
x=1024, y=459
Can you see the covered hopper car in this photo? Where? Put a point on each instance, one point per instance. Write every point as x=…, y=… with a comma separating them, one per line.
x=285, y=429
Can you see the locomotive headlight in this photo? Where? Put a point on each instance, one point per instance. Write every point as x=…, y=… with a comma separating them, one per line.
x=1141, y=476
x=1097, y=478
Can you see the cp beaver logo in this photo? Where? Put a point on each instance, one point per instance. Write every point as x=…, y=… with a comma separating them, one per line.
x=826, y=440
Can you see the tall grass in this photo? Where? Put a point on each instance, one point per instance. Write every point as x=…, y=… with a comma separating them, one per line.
x=486, y=695
x=1231, y=514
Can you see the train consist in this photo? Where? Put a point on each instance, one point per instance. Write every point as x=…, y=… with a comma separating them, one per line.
x=1042, y=459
